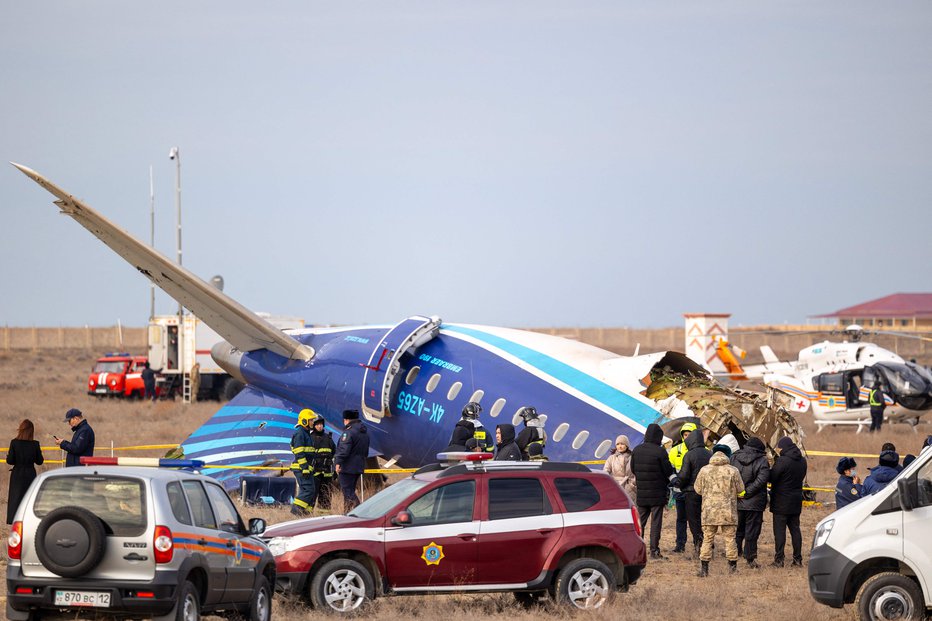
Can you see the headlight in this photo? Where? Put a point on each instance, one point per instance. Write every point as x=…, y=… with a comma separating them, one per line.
x=276, y=546
x=822, y=532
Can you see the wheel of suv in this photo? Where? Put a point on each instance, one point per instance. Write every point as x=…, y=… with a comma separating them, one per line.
x=890, y=596
x=260, y=608
x=188, y=607
x=585, y=583
x=341, y=585
x=70, y=541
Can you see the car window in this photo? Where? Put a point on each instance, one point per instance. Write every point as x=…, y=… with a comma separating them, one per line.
x=924, y=485
x=444, y=505
x=119, y=502
x=227, y=517
x=391, y=496
x=200, y=506
x=178, y=504
x=577, y=494
x=512, y=498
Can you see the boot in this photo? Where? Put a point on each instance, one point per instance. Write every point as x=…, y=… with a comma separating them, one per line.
x=753, y=564
x=733, y=566
x=703, y=569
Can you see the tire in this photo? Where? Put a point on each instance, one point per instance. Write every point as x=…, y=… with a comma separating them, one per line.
x=260, y=608
x=890, y=596
x=70, y=541
x=585, y=583
x=341, y=586
x=231, y=388
x=188, y=606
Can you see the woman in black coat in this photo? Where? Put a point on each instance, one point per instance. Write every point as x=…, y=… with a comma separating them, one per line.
x=653, y=473
x=24, y=455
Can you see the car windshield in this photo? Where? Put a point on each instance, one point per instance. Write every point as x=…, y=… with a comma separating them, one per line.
x=111, y=366
x=389, y=497
x=119, y=502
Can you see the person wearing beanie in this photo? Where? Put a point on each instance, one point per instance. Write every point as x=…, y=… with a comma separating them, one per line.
x=719, y=483
x=751, y=462
x=350, y=457
x=618, y=465
x=910, y=458
x=786, y=500
x=696, y=458
x=849, y=488
x=654, y=473
x=677, y=454
x=473, y=446
x=82, y=439
x=881, y=475
x=731, y=442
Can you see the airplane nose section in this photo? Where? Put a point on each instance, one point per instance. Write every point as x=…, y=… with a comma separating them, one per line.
x=228, y=358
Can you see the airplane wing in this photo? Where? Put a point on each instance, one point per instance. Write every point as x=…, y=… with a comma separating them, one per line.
x=238, y=325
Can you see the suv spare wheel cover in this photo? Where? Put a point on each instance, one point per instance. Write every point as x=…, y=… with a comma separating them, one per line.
x=70, y=541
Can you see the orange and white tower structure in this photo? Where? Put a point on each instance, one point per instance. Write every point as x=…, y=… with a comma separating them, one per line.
x=702, y=332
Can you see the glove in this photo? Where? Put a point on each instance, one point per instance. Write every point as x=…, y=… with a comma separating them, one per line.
x=676, y=485
x=741, y=495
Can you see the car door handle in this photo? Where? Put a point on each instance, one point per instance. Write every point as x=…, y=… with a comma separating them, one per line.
x=133, y=556
x=467, y=536
x=545, y=531
x=202, y=542
x=231, y=543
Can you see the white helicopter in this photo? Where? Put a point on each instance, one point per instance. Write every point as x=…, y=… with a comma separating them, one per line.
x=834, y=381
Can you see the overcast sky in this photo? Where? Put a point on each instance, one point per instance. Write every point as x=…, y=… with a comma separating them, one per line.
x=509, y=163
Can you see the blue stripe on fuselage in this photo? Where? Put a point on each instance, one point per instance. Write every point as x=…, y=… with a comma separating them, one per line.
x=586, y=384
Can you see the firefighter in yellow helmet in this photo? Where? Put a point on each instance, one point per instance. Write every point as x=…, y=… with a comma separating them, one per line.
x=302, y=446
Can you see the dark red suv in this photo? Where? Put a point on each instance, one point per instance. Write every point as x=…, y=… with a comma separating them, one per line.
x=533, y=528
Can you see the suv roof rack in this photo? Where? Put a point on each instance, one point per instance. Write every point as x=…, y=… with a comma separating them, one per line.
x=497, y=466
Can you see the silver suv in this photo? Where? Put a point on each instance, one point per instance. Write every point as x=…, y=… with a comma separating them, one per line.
x=151, y=542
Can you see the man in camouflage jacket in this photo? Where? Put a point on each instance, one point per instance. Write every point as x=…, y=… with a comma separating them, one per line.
x=719, y=483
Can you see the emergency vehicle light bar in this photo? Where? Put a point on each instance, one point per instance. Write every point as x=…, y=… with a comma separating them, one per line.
x=463, y=456
x=147, y=462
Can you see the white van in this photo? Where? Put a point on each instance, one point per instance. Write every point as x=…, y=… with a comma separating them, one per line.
x=876, y=553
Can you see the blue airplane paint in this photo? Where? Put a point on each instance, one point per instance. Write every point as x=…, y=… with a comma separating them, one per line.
x=420, y=421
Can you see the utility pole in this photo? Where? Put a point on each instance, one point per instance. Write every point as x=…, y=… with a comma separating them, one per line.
x=175, y=155
x=151, y=237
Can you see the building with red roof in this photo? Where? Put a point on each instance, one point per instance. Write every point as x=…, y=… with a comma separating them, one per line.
x=909, y=311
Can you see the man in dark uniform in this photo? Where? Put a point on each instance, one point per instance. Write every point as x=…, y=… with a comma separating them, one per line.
x=322, y=463
x=471, y=412
x=350, y=458
x=877, y=407
x=82, y=442
x=148, y=381
x=303, y=449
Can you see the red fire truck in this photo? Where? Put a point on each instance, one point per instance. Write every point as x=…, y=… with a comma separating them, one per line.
x=117, y=374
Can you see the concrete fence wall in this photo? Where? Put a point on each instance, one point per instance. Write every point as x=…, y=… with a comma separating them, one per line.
x=112, y=338
x=622, y=341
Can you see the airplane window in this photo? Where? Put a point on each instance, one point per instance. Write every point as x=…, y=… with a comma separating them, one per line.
x=412, y=375
x=580, y=439
x=432, y=382
x=516, y=419
x=603, y=449
x=560, y=432
x=477, y=396
x=543, y=419
x=454, y=390
x=497, y=408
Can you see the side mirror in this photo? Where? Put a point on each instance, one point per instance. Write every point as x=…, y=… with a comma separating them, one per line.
x=402, y=519
x=906, y=496
x=256, y=526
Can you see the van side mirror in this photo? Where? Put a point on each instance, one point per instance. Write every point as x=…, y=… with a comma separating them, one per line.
x=402, y=519
x=906, y=495
x=256, y=526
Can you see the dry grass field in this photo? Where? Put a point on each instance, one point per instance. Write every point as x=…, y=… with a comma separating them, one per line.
x=41, y=386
